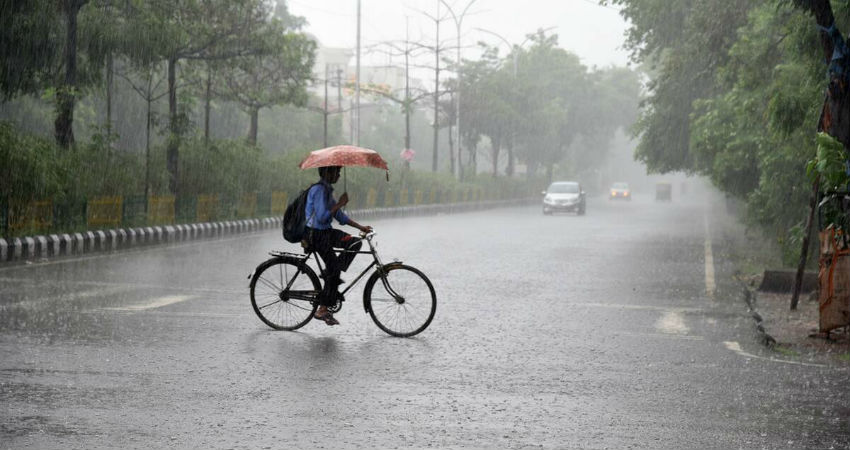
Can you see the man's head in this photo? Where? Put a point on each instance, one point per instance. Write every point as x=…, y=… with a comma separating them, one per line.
x=330, y=173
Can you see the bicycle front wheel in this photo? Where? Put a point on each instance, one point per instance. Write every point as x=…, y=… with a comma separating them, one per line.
x=283, y=293
x=403, y=306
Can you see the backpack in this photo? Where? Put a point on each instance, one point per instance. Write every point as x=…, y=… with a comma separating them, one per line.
x=295, y=217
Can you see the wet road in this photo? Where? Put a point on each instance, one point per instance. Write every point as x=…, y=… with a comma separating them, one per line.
x=619, y=329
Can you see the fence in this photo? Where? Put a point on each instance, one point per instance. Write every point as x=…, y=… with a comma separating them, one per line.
x=48, y=216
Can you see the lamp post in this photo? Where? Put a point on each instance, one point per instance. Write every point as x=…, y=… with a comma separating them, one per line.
x=458, y=20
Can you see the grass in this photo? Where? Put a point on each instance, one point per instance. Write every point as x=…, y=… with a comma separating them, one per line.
x=785, y=351
x=845, y=357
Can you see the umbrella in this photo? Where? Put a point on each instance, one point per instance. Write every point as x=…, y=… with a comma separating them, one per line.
x=345, y=156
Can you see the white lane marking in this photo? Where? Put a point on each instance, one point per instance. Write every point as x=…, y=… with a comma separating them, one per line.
x=128, y=286
x=168, y=313
x=671, y=323
x=709, y=261
x=736, y=347
x=156, y=303
x=81, y=295
x=638, y=307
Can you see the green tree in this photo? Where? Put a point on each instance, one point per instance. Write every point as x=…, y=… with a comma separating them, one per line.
x=197, y=30
x=683, y=43
x=275, y=76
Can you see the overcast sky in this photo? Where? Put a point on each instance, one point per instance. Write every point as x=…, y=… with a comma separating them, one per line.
x=595, y=33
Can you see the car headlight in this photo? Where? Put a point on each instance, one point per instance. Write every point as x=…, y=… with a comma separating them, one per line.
x=547, y=199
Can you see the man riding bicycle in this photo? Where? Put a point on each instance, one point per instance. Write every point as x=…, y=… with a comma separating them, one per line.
x=320, y=210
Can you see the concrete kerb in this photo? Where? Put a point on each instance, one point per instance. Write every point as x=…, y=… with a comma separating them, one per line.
x=100, y=241
x=112, y=240
x=40, y=246
x=66, y=244
x=53, y=244
x=750, y=299
x=29, y=247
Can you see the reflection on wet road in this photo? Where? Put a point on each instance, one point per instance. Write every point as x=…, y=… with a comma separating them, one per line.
x=599, y=331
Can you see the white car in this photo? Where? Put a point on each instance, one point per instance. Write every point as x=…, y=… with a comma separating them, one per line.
x=564, y=196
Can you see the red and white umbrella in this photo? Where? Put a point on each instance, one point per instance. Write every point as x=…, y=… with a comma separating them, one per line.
x=345, y=156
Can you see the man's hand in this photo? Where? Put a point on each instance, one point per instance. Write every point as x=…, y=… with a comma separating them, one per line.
x=343, y=200
x=365, y=229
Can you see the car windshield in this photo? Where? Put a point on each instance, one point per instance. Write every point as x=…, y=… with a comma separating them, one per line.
x=620, y=186
x=563, y=188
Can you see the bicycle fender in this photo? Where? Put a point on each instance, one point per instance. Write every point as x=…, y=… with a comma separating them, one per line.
x=374, y=279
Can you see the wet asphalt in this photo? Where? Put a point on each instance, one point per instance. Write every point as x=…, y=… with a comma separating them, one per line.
x=594, y=332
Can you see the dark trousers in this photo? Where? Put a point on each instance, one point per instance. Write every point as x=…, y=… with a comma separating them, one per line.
x=323, y=242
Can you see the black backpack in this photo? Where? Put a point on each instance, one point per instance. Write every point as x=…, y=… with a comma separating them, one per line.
x=295, y=218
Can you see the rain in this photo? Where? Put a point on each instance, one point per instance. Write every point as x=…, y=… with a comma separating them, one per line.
x=589, y=224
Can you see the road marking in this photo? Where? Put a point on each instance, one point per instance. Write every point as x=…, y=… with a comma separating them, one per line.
x=128, y=286
x=736, y=347
x=639, y=307
x=709, y=261
x=671, y=323
x=67, y=297
x=156, y=303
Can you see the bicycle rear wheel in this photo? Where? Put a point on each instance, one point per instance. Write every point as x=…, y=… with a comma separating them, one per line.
x=410, y=312
x=283, y=293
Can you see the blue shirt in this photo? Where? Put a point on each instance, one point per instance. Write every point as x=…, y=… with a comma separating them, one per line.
x=320, y=200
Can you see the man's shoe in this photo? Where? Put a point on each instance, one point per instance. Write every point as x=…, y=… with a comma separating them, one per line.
x=327, y=317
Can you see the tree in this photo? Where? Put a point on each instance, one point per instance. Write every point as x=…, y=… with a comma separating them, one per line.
x=275, y=76
x=198, y=30
x=683, y=43
x=29, y=46
x=835, y=115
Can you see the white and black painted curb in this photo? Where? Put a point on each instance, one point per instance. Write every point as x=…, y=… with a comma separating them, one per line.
x=30, y=248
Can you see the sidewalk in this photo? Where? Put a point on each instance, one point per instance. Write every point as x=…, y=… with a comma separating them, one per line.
x=796, y=332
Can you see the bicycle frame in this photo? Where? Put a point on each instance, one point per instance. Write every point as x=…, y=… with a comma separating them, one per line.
x=376, y=262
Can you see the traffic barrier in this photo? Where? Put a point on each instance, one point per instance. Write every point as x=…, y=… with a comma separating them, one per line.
x=54, y=245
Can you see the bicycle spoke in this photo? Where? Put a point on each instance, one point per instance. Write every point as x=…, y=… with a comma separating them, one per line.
x=406, y=317
x=282, y=294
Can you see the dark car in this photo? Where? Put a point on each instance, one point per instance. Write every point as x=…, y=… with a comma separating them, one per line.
x=564, y=196
x=620, y=191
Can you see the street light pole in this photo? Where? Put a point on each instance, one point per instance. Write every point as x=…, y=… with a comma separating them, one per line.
x=357, y=84
x=458, y=19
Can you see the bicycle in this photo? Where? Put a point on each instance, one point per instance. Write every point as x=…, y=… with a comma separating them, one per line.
x=284, y=292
